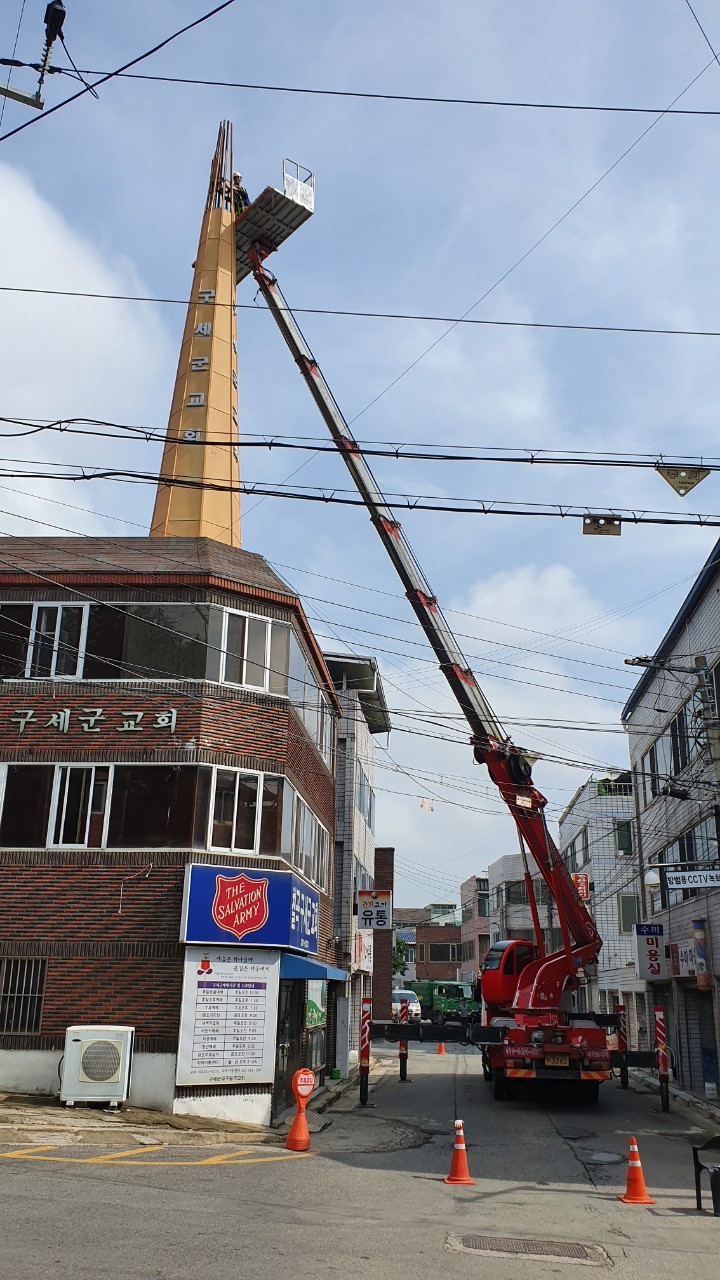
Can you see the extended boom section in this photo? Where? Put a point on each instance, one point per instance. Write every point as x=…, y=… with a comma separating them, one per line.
x=530, y=1030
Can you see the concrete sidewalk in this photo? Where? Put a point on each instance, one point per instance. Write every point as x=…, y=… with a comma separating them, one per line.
x=28, y=1118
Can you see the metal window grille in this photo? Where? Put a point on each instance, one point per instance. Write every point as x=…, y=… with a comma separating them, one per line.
x=21, y=997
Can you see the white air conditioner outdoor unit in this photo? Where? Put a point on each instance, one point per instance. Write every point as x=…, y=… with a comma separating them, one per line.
x=96, y=1066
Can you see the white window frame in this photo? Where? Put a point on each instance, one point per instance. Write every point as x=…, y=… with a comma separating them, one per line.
x=59, y=605
x=245, y=773
x=269, y=624
x=626, y=933
x=55, y=796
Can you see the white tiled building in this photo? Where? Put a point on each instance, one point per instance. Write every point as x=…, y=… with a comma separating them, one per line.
x=670, y=730
x=358, y=686
x=597, y=840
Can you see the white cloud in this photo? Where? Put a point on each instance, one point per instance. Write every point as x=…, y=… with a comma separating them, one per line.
x=72, y=357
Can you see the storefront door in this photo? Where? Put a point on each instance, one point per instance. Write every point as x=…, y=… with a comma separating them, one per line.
x=291, y=1006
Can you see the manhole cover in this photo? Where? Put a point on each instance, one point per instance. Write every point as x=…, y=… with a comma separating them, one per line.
x=599, y=1157
x=509, y=1246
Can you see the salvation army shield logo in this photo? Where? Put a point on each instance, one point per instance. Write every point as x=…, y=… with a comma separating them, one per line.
x=240, y=904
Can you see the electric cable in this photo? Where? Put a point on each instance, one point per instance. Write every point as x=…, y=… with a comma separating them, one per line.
x=110, y=75
x=10, y=71
x=518, y=262
x=335, y=312
x=433, y=100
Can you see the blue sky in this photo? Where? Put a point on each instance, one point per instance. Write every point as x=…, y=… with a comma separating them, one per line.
x=419, y=208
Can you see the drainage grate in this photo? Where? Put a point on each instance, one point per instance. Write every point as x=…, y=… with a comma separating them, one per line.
x=509, y=1246
x=506, y=1244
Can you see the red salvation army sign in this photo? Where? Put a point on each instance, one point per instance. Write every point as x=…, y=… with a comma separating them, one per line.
x=240, y=905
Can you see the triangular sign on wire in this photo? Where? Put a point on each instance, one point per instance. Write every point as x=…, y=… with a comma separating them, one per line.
x=682, y=479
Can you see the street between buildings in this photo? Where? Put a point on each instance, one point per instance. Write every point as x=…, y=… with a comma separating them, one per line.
x=371, y=1189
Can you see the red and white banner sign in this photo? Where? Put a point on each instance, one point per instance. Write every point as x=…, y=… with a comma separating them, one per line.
x=581, y=880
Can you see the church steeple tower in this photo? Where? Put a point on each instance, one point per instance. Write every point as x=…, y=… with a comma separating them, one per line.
x=202, y=436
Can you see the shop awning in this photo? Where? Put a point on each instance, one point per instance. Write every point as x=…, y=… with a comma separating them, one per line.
x=307, y=970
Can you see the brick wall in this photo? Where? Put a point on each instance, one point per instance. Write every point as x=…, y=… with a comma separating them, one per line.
x=435, y=971
x=383, y=939
x=108, y=922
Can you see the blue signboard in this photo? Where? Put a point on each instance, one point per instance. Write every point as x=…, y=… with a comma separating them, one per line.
x=649, y=930
x=235, y=907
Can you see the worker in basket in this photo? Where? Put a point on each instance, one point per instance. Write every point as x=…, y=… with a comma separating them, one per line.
x=241, y=199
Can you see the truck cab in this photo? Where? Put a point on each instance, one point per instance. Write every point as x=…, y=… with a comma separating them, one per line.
x=441, y=1001
x=501, y=969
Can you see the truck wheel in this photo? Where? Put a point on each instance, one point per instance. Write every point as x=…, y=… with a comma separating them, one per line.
x=590, y=1091
x=438, y=1018
x=498, y=1080
x=487, y=1069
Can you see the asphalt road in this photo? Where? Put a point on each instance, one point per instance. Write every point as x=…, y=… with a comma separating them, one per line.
x=369, y=1201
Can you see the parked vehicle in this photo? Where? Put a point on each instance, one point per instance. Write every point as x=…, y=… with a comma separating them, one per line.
x=414, y=1014
x=447, y=1001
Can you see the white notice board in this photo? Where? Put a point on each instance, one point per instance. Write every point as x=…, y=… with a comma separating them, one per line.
x=228, y=1021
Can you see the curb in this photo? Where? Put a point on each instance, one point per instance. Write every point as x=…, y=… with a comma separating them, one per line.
x=690, y=1100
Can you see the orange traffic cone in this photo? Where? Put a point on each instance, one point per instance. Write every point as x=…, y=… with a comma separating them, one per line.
x=441, y=1049
x=635, y=1192
x=459, y=1174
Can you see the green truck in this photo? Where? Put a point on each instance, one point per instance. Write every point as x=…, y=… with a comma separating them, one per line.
x=446, y=1001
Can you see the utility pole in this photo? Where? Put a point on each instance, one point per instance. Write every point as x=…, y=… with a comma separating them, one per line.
x=709, y=712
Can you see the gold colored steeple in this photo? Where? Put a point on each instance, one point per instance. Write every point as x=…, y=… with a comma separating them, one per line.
x=202, y=435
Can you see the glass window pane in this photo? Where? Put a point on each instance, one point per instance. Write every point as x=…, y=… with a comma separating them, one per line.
x=246, y=812
x=165, y=640
x=68, y=652
x=224, y=811
x=152, y=806
x=296, y=679
x=44, y=641
x=279, y=657
x=15, y=621
x=271, y=815
x=104, y=643
x=255, y=665
x=26, y=809
x=288, y=809
x=78, y=787
x=97, y=808
x=235, y=649
x=202, y=807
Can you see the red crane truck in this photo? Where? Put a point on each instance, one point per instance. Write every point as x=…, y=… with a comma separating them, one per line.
x=530, y=1031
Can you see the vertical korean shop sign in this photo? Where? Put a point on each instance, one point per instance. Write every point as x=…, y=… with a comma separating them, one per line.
x=374, y=909
x=228, y=1021
x=650, y=961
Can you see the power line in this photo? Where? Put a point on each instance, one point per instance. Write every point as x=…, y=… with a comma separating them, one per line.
x=433, y=100
x=336, y=312
x=405, y=451
x=335, y=496
x=518, y=262
x=704, y=32
x=15, y=45
x=110, y=75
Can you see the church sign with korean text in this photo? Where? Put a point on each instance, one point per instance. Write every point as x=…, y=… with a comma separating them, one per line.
x=94, y=720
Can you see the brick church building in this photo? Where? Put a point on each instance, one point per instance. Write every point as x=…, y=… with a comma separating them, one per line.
x=167, y=733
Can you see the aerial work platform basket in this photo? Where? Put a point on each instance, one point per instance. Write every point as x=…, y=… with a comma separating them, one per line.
x=270, y=219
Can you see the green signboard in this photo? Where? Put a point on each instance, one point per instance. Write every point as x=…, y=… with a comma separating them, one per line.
x=316, y=1011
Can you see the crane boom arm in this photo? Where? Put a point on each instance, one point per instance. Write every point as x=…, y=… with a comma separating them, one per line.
x=544, y=981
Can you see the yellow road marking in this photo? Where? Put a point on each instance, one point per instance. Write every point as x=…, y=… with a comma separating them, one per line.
x=120, y=1157
x=117, y=1155
x=24, y=1151
x=228, y=1156
x=294, y=1155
